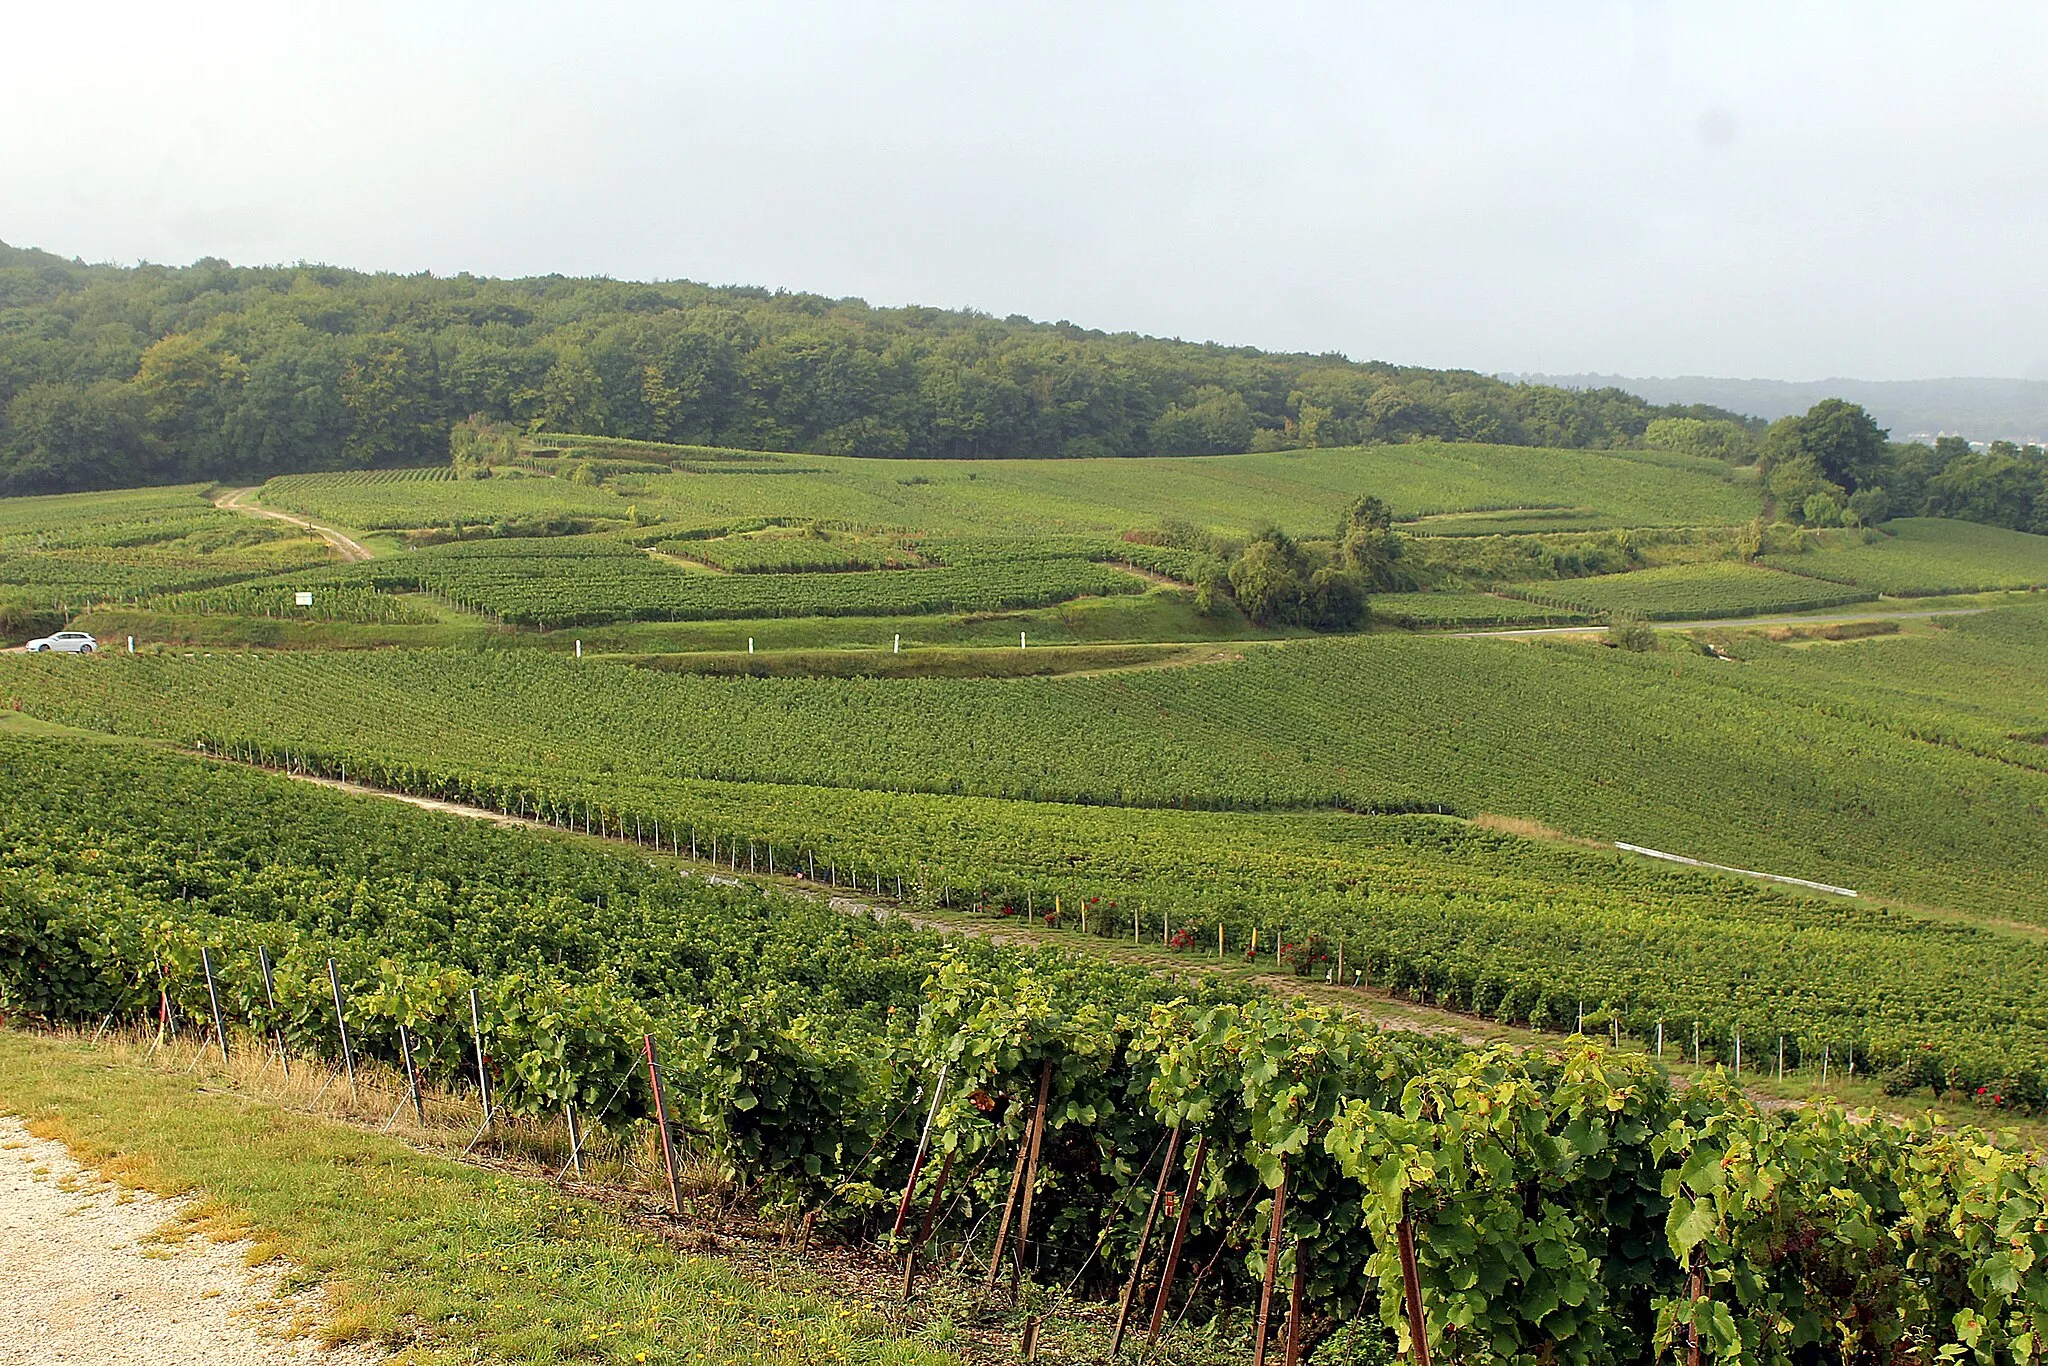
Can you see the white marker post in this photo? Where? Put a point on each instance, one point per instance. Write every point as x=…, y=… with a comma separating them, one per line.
x=750, y=645
x=897, y=649
x=579, y=649
x=131, y=645
x=1020, y=640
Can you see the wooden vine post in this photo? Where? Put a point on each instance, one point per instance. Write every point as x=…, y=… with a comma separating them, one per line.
x=1123, y=1309
x=1411, y=1293
x=1272, y=1268
x=1031, y=1174
x=1180, y=1238
x=1026, y=1170
x=668, y=1151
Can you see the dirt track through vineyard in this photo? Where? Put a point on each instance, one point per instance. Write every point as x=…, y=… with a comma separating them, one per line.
x=1412, y=1015
x=1374, y=1004
x=352, y=551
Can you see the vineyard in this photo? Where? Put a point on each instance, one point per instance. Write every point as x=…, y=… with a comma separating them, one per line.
x=578, y=580
x=334, y=599
x=1594, y=741
x=1453, y=608
x=786, y=553
x=373, y=500
x=1693, y=592
x=67, y=552
x=1498, y=926
x=1567, y=1207
x=1921, y=556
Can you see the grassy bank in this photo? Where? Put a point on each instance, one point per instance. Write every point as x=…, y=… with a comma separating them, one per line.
x=439, y=1261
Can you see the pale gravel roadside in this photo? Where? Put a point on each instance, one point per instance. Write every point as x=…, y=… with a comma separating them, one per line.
x=81, y=1279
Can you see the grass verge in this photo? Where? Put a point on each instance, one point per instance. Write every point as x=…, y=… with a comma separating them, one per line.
x=435, y=1260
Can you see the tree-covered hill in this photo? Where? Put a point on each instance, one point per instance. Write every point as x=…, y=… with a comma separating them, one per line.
x=114, y=376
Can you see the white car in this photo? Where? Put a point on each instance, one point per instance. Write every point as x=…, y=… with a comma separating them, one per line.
x=64, y=642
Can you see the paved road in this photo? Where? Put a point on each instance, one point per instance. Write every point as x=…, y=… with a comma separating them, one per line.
x=351, y=550
x=1831, y=619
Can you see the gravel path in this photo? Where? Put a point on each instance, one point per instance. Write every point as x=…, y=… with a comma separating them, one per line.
x=82, y=1281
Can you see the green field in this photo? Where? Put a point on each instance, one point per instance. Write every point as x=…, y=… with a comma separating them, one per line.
x=1683, y=592
x=1304, y=491
x=1923, y=556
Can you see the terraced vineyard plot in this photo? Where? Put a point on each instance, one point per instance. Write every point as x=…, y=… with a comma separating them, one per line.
x=335, y=598
x=399, y=503
x=1921, y=556
x=1683, y=592
x=963, y=551
x=1453, y=608
x=69, y=551
x=570, y=581
x=785, y=553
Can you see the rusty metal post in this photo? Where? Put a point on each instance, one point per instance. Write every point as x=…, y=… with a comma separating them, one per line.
x=412, y=1075
x=668, y=1152
x=923, y=1147
x=348, y=1055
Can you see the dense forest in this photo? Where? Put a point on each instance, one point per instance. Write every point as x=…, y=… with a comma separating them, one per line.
x=113, y=376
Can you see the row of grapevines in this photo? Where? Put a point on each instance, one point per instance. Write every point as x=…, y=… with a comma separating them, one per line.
x=571, y=581
x=1463, y=919
x=1686, y=591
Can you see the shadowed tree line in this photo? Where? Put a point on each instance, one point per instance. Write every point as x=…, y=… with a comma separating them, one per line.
x=114, y=376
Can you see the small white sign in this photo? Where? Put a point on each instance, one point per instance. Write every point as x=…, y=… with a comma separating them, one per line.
x=303, y=599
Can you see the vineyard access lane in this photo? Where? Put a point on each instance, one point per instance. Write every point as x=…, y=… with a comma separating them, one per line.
x=1830, y=619
x=352, y=551
x=84, y=1276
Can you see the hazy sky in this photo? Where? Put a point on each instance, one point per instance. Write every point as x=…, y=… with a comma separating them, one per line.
x=1794, y=191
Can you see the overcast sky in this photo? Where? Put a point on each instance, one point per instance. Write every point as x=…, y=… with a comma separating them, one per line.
x=1792, y=191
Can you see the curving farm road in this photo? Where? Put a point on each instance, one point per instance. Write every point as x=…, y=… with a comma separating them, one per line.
x=352, y=551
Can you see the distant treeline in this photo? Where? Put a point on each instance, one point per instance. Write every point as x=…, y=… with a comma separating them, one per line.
x=112, y=376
